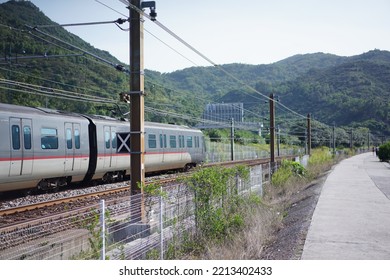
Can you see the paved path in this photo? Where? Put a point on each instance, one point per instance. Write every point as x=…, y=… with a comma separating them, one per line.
x=352, y=217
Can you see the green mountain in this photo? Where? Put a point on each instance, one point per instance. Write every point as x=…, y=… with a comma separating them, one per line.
x=32, y=58
x=353, y=93
x=350, y=91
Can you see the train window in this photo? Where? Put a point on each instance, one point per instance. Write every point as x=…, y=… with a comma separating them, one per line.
x=172, y=141
x=152, y=142
x=49, y=138
x=189, y=141
x=69, y=138
x=15, y=137
x=77, y=138
x=107, y=139
x=27, y=137
x=113, y=139
x=163, y=140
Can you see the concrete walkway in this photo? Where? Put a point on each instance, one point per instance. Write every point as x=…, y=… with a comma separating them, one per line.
x=352, y=217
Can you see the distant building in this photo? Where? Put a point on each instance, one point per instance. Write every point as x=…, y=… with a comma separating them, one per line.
x=224, y=112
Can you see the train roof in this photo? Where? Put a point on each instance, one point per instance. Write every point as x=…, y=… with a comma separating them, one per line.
x=97, y=118
x=166, y=125
x=44, y=111
x=17, y=108
x=124, y=121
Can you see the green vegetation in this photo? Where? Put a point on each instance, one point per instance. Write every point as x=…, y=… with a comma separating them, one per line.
x=321, y=159
x=287, y=170
x=220, y=211
x=92, y=224
x=384, y=152
x=217, y=202
x=263, y=216
x=291, y=176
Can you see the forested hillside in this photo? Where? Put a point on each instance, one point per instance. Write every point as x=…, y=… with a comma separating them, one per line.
x=353, y=93
x=30, y=57
x=348, y=91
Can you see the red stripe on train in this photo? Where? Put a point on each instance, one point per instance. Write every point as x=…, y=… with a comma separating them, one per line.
x=62, y=157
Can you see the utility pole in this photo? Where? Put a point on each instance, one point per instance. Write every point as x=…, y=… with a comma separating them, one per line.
x=232, y=139
x=278, y=139
x=334, y=139
x=308, y=134
x=137, y=141
x=351, y=139
x=272, y=129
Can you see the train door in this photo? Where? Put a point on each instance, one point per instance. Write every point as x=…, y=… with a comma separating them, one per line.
x=163, y=145
x=22, y=152
x=183, y=150
x=72, y=147
x=114, y=158
x=110, y=144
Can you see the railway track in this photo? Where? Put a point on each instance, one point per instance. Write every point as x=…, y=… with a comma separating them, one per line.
x=121, y=189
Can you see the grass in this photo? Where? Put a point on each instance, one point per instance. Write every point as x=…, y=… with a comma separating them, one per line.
x=264, y=218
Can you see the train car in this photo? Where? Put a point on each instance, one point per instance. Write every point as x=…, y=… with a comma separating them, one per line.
x=172, y=147
x=41, y=148
x=167, y=147
x=47, y=149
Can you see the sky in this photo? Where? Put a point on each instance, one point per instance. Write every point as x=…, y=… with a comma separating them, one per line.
x=232, y=31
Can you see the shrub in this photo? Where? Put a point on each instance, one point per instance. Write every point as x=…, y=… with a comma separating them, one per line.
x=217, y=202
x=281, y=176
x=384, y=152
x=320, y=156
x=286, y=171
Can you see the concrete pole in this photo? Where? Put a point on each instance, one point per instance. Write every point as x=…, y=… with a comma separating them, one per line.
x=308, y=134
x=272, y=129
x=232, y=140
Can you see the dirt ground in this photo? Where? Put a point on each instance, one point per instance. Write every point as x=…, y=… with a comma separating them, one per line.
x=287, y=243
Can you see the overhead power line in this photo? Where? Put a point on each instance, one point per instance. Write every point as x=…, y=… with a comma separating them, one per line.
x=158, y=23
x=118, y=21
x=116, y=66
x=47, y=91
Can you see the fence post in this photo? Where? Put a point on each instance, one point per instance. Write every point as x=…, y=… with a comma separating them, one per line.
x=161, y=225
x=261, y=180
x=269, y=172
x=103, y=227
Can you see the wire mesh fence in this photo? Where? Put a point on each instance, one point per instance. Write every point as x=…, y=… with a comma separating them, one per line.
x=222, y=151
x=137, y=227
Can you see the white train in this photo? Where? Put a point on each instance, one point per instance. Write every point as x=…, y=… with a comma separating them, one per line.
x=47, y=149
